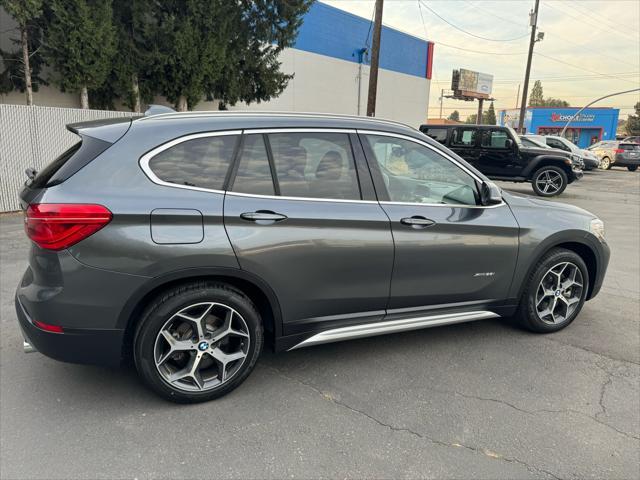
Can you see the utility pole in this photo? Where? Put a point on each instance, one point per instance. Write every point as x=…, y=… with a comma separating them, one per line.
x=375, y=57
x=441, y=98
x=533, y=21
x=518, y=96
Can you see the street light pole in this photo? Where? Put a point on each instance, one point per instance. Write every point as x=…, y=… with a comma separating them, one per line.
x=596, y=100
x=375, y=57
x=523, y=106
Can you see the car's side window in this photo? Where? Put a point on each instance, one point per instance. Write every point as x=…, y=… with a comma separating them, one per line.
x=464, y=137
x=438, y=134
x=254, y=172
x=552, y=142
x=494, y=139
x=315, y=165
x=417, y=174
x=200, y=162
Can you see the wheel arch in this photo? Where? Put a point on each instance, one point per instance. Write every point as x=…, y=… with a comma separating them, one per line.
x=255, y=288
x=581, y=248
x=545, y=161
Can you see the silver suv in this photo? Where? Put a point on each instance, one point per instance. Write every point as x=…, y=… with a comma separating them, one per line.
x=186, y=241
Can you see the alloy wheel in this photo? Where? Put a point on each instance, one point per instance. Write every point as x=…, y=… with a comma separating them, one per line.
x=549, y=182
x=559, y=293
x=605, y=163
x=201, y=346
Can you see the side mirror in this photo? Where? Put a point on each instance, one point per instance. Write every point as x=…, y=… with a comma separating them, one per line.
x=508, y=143
x=490, y=194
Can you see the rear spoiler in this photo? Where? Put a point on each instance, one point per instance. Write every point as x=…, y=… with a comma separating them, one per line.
x=108, y=129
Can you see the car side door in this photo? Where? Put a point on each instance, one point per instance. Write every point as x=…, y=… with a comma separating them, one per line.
x=498, y=155
x=301, y=215
x=449, y=250
x=465, y=142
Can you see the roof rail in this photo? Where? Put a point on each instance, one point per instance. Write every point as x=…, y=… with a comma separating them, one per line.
x=248, y=113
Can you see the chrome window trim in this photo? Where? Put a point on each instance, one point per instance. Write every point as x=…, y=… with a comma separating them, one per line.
x=442, y=154
x=146, y=158
x=306, y=199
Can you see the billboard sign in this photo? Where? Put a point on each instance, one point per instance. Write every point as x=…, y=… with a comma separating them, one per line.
x=472, y=84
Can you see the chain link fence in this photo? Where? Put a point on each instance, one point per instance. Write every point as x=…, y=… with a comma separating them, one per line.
x=33, y=137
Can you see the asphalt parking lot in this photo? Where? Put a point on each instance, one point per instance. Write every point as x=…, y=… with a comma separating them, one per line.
x=478, y=400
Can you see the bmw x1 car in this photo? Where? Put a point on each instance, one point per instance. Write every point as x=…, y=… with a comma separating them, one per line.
x=186, y=241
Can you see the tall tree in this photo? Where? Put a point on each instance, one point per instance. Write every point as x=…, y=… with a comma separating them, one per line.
x=472, y=118
x=260, y=31
x=633, y=122
x=455, y=116
x=489, y=117
x=80, y=44
x=26, y=13
x=190, y=41
x=536, y=98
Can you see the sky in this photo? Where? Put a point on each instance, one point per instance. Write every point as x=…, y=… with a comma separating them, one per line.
x=591, y=48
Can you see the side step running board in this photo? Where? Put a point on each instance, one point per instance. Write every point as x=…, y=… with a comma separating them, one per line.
x=392, y=326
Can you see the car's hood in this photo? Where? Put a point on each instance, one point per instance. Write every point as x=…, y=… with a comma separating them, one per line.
x=545, y=151
x=588, y=154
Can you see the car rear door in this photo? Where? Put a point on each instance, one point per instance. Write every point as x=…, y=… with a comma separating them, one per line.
x=496, y=157
x=465, y=142
x=301, y=214
x=449, y=251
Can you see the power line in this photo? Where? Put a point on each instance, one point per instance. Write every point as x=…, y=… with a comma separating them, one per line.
x=467, y=32
x=482, y=52
x=599, y=18
x=596, y=25
x=582, y=68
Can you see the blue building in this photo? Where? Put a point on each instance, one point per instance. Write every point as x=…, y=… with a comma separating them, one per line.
x=591, y=126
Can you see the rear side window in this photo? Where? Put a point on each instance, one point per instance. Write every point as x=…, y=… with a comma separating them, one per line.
x=315, y=165
x=254, y=171
x=494, y=139
x=69, y=162
x=199, y=162
x=464, y=137
x=438, y=134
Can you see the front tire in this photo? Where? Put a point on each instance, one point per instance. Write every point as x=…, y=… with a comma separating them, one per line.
x=605, y=163
x=549, y=181
x=198, y=341
x=555, y=292
x=632, y=168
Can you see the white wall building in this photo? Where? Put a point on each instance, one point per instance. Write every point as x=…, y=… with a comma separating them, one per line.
x=330, y=71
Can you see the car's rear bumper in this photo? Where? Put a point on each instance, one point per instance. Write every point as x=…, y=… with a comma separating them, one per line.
x=98, y=347
x=626, y=162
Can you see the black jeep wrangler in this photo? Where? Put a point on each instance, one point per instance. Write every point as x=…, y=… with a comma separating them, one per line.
x=499, y=154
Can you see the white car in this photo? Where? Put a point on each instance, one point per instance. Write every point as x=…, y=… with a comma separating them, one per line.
x=588, y=158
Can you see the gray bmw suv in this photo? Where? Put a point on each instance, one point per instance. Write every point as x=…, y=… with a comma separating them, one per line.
x=186, y=241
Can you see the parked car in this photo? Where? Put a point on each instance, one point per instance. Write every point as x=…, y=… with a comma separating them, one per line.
x=634, y=139
x=528, y=141
x=588, y=159
x=189, y=240
x=620, y=154
x=498, y=153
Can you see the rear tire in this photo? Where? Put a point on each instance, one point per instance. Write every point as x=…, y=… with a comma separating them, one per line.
x=632, y=168
x=549, y=181
x=198, y=341
x=554, y=293
x=605, y=163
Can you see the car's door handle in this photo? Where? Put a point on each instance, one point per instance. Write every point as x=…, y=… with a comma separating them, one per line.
x=417, y=221
x=263, y=217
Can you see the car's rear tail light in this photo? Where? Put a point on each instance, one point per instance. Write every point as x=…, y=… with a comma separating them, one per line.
x=619, y=150
x=56, y=226
x=47, y=327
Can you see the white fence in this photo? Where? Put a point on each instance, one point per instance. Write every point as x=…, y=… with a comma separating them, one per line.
x=33, y=137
